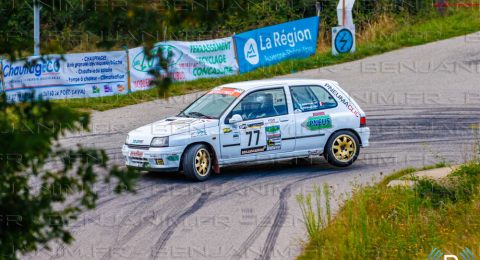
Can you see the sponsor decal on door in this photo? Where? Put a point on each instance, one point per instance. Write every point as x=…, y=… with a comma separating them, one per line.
x=274, y=137
x=315, y=123
x=253, y=150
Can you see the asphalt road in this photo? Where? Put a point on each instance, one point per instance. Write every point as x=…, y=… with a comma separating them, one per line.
x=420, y=104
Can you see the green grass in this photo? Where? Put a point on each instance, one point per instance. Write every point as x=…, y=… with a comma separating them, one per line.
x=381, y=222
x=399, y=34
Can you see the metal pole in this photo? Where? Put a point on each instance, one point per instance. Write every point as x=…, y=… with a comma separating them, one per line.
x=2, y=79
x=318, y=7
x=36, y=28
x=128, y=69
x=235, y=50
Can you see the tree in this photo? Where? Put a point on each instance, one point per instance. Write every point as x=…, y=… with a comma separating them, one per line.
x=43, y=186
x=36, y=202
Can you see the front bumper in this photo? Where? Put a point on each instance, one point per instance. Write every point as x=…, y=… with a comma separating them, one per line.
x=153, y=159
x=364, y=133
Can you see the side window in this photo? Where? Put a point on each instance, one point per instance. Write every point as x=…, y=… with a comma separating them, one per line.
x=261, y=104
x=310, y=98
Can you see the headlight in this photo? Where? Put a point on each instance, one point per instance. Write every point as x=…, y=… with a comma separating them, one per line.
x=159, y=142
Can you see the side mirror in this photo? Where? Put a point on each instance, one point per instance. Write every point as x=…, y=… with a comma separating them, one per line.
x=235, y=119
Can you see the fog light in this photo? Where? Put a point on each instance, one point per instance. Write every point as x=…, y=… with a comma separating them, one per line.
x=159, y=161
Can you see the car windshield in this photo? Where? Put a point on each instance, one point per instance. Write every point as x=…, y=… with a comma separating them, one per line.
x=212, y=104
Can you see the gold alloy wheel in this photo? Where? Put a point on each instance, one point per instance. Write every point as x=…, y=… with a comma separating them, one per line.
x=344, y=148
x=202, y=162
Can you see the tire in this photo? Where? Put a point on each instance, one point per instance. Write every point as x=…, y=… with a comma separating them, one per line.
x=342, y=149
x=197, y=162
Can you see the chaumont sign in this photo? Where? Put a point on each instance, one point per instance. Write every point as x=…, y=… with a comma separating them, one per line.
x=273, y=44
x=76, y=75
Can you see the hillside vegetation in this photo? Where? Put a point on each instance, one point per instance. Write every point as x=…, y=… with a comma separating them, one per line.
x=90, y=25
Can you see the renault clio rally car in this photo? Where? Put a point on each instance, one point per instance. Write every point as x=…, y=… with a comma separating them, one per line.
x=249, y=122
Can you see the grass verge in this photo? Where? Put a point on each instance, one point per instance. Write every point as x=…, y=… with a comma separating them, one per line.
x=379, y=38
x=382, y=222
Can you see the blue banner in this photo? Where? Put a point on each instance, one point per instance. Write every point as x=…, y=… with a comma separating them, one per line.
x=270, y=45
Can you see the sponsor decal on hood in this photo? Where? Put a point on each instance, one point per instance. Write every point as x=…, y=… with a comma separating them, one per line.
x=172, y=126
x=137, y=141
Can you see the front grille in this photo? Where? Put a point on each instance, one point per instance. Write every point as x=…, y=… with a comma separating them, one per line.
x=138, y=160
x=138, y=147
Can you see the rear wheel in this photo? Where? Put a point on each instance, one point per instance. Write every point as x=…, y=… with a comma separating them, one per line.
x=342, y=149
x=197, y=162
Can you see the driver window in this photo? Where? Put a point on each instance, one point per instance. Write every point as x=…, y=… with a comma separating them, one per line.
x=261, y=104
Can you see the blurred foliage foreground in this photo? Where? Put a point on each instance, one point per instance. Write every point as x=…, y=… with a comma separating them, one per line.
x=43, y=186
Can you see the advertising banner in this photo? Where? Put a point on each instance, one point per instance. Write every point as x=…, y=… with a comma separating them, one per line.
x=270, y=45
x=188, y=61
x=73, y=76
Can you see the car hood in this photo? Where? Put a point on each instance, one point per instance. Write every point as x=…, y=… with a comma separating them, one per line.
x=166, y=127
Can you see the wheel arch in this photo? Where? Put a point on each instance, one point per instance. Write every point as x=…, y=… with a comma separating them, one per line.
x=210, y=148
x=344, y=129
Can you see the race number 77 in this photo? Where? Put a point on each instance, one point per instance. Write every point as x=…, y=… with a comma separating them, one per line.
x=257, y=132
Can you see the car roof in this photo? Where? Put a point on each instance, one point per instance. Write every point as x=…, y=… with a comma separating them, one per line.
x=247, y=85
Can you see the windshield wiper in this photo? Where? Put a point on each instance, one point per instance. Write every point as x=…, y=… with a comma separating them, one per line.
x=198, y=114
x=182, y=115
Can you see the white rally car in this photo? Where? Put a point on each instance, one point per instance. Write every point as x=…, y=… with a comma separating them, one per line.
x=253, y=121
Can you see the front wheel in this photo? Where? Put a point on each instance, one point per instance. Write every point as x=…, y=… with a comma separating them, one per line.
x=197, y=162
x=342, y=149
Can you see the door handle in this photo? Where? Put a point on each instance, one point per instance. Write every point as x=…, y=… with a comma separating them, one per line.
x=284, y=120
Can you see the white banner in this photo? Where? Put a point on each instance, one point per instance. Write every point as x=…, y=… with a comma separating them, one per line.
x=75, y=76
x=188, y=61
